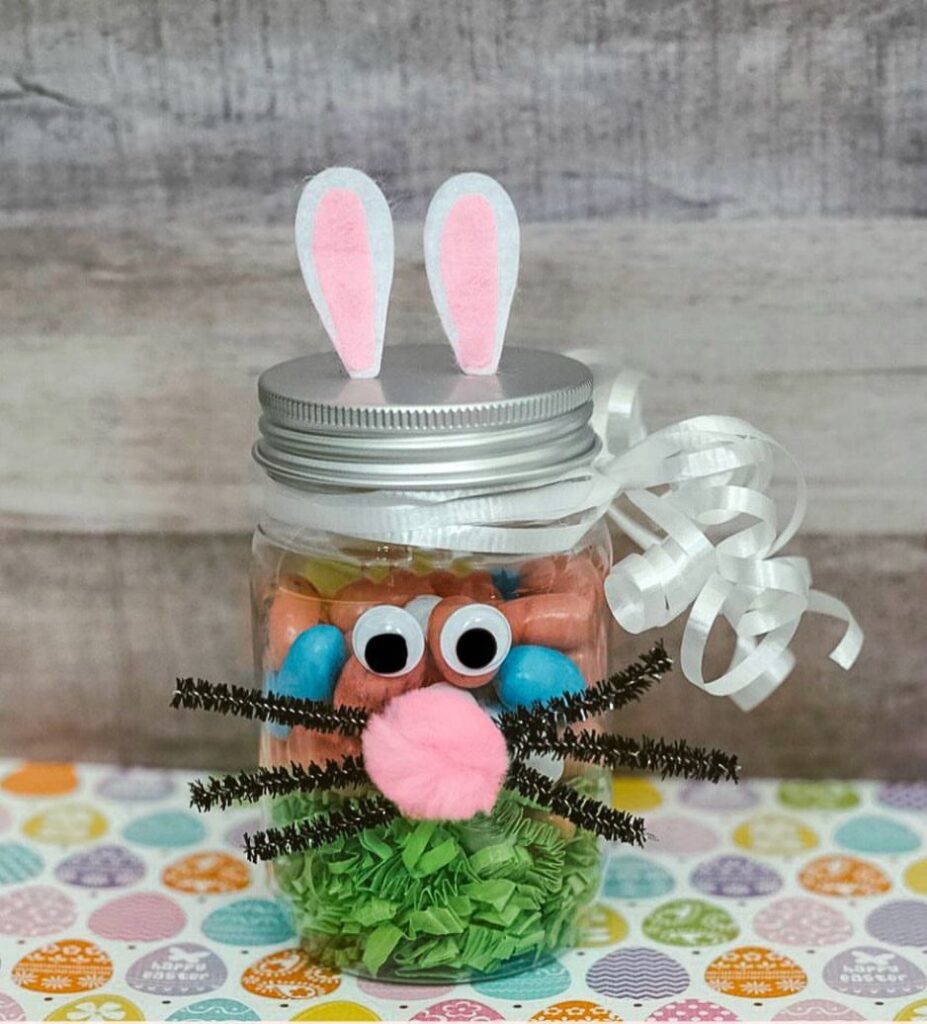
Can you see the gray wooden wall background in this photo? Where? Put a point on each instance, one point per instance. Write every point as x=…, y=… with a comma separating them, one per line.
x=728, y=195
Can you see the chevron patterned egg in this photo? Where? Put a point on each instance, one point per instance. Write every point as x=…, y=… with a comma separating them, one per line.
x=138, y=917
x=637, y=973
x=101, y=867
x=676, y=836
x=18, y=863
x=458, y=1010
x=289, y=974
x=818, y=1009
x=900, y=922
x=575, y=1010
x=132, y=785
x=725, y=796
x=36, y=910
x=178, y=969
x=539, y=982
x=10, y=1009
x=248, y=923
x=873, y=972
x=216, y=1009
x=62, y=967
x=837, y=875
x=875, y=833
x=817, y=795
x=735, y=876
x=628, y=877
x=98, y=1006
x=775, y=835
x=692, y=1010
x=690, y=923
x=802, y=921
x=753, y=972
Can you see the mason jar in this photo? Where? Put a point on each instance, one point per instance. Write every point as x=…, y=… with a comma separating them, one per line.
x=422, y=531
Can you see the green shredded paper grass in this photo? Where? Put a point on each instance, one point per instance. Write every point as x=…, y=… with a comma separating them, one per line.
x=439, y=900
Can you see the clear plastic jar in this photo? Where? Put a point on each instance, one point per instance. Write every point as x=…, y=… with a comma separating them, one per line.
x=423, y=898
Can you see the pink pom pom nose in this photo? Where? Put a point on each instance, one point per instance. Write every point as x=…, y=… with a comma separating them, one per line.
x=436, y=754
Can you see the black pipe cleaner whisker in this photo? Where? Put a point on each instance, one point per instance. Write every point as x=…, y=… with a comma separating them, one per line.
x=584, y=812
x=668, y=757
x=529, y=727
x=309, y=833
x=198, y=694
x=250, y=786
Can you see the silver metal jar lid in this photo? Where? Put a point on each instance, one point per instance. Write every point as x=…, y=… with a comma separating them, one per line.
x=422, y=424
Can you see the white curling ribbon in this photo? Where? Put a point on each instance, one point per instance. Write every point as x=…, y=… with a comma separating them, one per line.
x=708, y=533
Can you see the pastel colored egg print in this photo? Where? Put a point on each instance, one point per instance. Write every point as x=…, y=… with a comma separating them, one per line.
x=628, y=877
x=6, y=820
x=18, y=863
x=899, y=922
x=818, y=795
x=179, y=969
x=680, y=837
x=400, y=993
x=289, y=974
x=836, y=875
x=818, y=1009
x=216, y=1009
x=904, y=796
x=725, y=796
x=338, y=1009
x=10, y=1009
x=802, y=921
x=101, y=867
x=35, y=910
x=692, y=1010
x=735, y=876
x=100, y=1006
x=66, y=824
x=235, y=836
x=877, y=834
x=138, y=917
x=775, y=835
x=207, y=873
x=690, y=923
x=248, y=923
x=575, y=1010
x=133, y=785
x=915, y=876
x=69, y=965
x=754, y=972
x=874, y=973
x=630, y=794
x=601, y=926
x=540, y=982
x=165, y=829
x=913, y=1011
x=637, y=973
x=41, y=779
x=458, y=1010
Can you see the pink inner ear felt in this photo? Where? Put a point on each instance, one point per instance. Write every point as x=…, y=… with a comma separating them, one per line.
x=343, y=263
x=470, y=274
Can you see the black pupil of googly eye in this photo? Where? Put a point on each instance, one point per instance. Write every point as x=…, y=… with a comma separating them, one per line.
x=476, y=648
x=386, y=653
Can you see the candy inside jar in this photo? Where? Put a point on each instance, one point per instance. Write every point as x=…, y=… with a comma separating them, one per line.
x=478, y=879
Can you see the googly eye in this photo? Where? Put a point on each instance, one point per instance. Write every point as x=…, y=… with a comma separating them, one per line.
x=475, y=639
x=388, y=641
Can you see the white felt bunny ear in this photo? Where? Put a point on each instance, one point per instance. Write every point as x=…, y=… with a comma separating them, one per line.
x=471, y=256
x=344, y=241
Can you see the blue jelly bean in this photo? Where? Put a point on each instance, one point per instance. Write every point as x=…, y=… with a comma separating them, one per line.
x=507, y=582
x=532, y=674
x=310, y=669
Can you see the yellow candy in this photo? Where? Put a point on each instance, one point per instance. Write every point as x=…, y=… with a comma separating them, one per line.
x=328, y=575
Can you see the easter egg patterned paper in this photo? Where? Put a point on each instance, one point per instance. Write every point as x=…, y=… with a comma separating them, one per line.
x=165, y=829
x=690, y=923
x=66, y=824
x=629, y=877
x=876, y=834
x=601, y=926
x=34, y=910
x=207, y=872
x=99, y=1006
x=289, y=974
x=18, y=863
x=904, y=796
x=734, y=876
x=720, y=798
x=676, y=836
x=248, y=923
x=775, y=835
x=913, y=1011
x=835, y=875
x=693, y=1010
x=754, y=972
x=458, y=1010
x=215, y=1009
x=62, y=967
x=135, y=785
x=818, y=795
x=101, y=867
x=637, y=973
x=633, y=794
x=873, y=972
x=10, y=1009
x=400, y=993
x=817, y=1009
x=915, y=876
x=900, y=923
x=41, y=780
x=138, y=917
x=802, y=921
x=338, y=1009
x=178, y=969
x=575, y=1010
x=540, y=982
